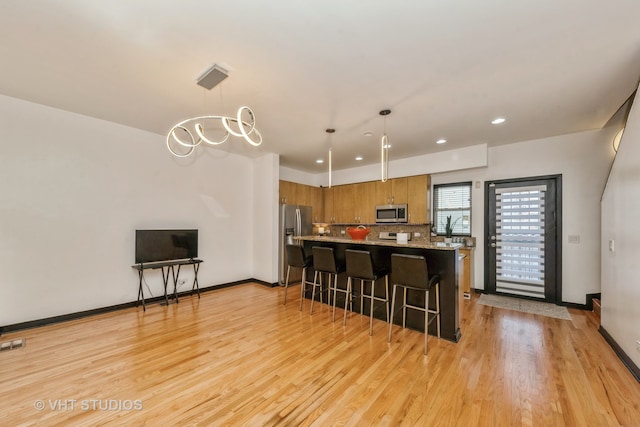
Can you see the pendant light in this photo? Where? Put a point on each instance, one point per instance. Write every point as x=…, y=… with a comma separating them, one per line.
x=384, y=149
x=330, y=132
x=185, y=136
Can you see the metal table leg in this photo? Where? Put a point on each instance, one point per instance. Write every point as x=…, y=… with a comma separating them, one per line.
x=141, y=291
x=196, y=267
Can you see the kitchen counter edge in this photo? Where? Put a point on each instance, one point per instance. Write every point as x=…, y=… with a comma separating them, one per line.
x=422, y=245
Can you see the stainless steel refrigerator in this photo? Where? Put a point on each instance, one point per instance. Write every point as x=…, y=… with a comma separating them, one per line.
x=295, y=220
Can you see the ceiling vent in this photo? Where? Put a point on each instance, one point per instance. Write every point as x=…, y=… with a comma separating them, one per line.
x=212, y=76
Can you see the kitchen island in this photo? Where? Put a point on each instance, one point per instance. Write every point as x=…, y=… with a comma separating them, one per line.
x=442, y=259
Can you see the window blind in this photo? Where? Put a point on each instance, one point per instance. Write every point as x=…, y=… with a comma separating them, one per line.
x=452, y=200
x=520, y=236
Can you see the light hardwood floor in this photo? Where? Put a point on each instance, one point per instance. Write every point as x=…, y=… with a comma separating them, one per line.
x=239, y=357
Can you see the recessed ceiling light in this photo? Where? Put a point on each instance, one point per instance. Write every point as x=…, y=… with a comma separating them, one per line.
x=358, y=158
x=498, y=121
x=319, y=161
x=368, y=133
x=441, y=141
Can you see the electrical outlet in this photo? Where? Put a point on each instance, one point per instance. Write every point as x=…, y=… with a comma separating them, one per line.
x=638, y=345
x=417, y=234
x=342, y=232
x=10, y=345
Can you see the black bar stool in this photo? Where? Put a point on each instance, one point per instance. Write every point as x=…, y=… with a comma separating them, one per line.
x=296, y=258
x=360, y=267
x=410, y=272
x=324, y=261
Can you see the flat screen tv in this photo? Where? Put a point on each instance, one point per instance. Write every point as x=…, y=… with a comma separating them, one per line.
x=165, y=245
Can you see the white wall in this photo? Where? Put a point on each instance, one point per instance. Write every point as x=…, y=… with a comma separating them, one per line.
x=74, y=189
x=620, y=215
x=293, y=175
x=449, y=160
x=265, y=233
x=583, y=160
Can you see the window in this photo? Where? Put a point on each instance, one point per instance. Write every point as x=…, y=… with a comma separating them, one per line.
x=452, y=200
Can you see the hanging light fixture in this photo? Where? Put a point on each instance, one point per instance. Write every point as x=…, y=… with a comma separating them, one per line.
x=330, y=132
x=190, y=133
x=384, y=149
x=616, y=140
x=184, y=133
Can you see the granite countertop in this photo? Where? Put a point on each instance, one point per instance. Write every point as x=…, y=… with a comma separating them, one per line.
x=376, y=242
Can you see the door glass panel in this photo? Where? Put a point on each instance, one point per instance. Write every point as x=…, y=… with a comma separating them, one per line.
x=520, y=241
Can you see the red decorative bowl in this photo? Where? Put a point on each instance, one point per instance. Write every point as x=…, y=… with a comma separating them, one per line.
x=358, y=233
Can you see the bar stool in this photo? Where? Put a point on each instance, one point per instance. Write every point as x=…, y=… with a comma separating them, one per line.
x=324, y=261
x=360, y=267
x=410, y=272
x=296, y=258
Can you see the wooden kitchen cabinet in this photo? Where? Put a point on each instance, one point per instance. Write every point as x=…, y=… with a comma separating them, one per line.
x=350, y=203
x=383, y=192
x=292, y=193
x=343, y=206
x=418, y=199
x=303, y=194
x=285, y=193
x=364, y=202
x=355, y=203
x=316, y=203
x=392, y=192
x=328, y=205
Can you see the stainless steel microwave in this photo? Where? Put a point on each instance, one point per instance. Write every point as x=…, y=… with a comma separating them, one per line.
x=391, y=213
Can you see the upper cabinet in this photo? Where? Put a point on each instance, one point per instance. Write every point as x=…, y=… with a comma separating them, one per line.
x=286, y=192
x=392, y=192
x=292, y=193
x=350, y=204
x=328, y=205
x=355, y=203
x=418, y=198
x=315, y=201
x=364, y=202
x=343, y=206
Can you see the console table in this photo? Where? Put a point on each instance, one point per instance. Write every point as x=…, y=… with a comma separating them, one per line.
x=168, y=268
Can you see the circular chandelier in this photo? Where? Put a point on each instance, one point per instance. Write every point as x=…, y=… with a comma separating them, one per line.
x=190, y=133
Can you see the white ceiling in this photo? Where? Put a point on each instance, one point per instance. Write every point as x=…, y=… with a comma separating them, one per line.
x=444, y=68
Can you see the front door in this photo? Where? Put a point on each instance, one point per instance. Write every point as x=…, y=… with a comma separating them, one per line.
x=523, y=238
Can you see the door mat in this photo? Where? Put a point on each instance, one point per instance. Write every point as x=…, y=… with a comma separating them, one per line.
x=527, y=306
